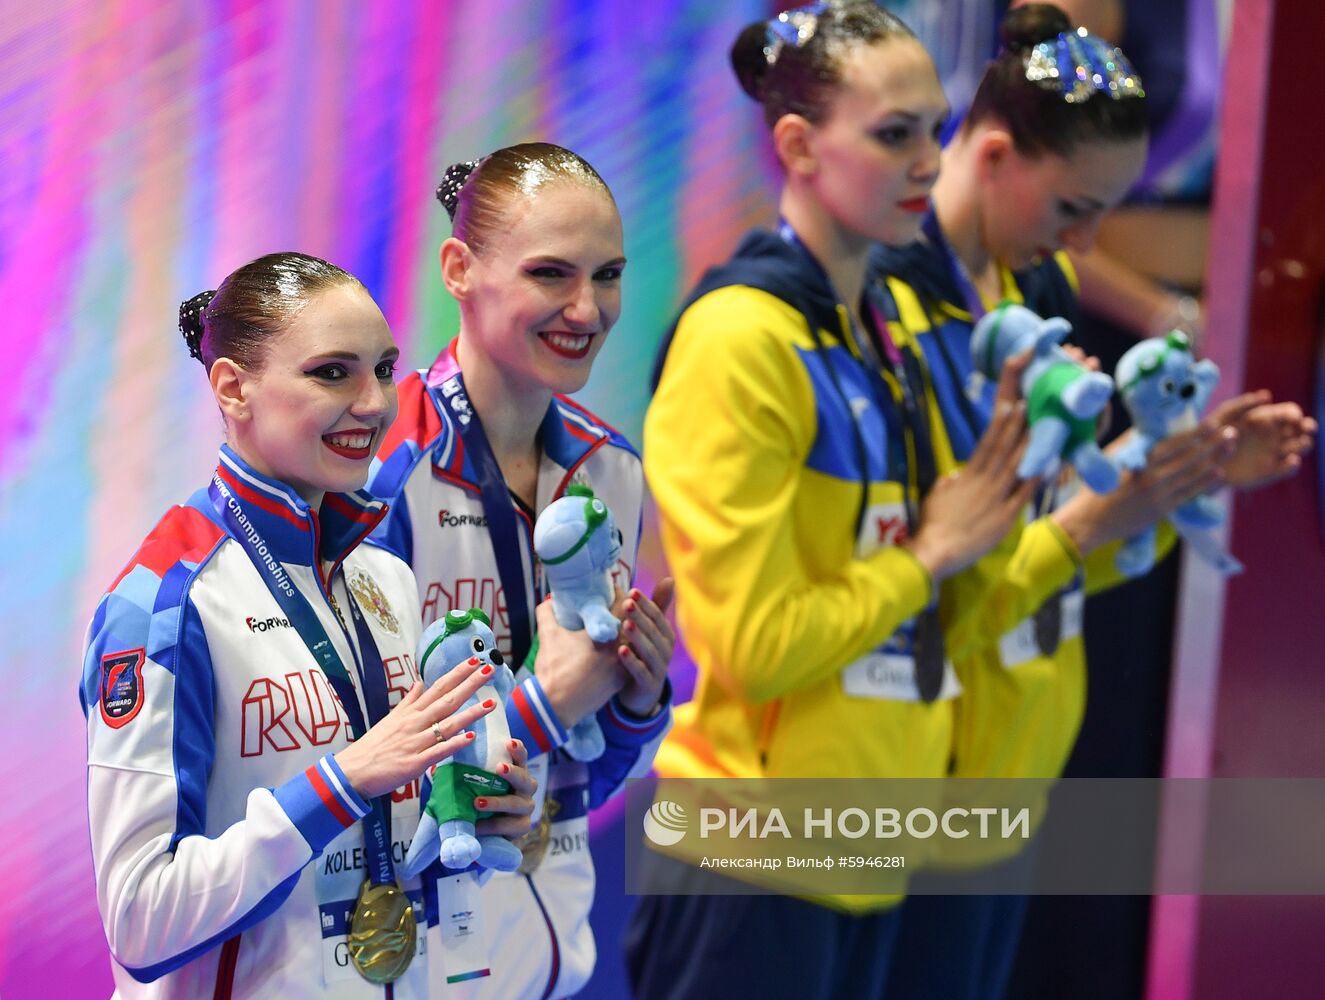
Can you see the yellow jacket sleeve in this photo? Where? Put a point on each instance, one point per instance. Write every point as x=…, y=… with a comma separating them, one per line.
x=1002, y=589
x=1102, y=570
x=765, y=606
x=1000, y=592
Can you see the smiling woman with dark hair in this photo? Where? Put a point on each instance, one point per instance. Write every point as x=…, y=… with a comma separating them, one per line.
x=249, y=686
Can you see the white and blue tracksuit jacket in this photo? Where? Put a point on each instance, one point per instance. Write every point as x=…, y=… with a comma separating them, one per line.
x=225, y=839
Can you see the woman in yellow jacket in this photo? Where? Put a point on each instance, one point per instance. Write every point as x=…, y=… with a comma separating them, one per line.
x=1036, y=163
x=804, y=518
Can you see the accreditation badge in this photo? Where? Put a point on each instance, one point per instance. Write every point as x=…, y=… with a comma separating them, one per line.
x=1037, y=636
x=889, y=672
x=460, y=919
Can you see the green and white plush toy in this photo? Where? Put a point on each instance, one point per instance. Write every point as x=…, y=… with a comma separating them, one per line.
x=1063, y=397
x=446, y=829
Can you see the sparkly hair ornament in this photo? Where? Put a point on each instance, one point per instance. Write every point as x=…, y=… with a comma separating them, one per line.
x=792, y=27
x=190, y=321
x=1077, y=65
x=448, y=192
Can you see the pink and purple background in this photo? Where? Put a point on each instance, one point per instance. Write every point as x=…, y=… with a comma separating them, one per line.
x=146, y=149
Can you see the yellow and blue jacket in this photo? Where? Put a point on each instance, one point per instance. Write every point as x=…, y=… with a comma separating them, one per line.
x=779, y=464
x=1020, y=710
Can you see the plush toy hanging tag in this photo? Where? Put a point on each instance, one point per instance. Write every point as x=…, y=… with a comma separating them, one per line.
x=578, y=544
x=1165, y=389
x=1063, y=397
x=446, y=829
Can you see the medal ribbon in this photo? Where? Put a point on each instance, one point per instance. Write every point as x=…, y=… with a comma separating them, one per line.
x=447, y=386
x=928, y=649
x=372, y=673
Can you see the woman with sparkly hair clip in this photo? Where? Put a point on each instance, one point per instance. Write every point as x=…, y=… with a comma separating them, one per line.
x=485, y=440
x=1055, y=136
x=256, y=725
x=808, y=520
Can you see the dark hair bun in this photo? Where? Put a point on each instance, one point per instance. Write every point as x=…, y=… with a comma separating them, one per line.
x=1028, y=26
x=190, y=321
x=448, y=192
x=748, y=59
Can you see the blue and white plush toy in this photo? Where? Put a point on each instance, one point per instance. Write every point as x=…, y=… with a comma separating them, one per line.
x=578, y=544
x=446, y=829
x=1063, y=397
x=1165, y=389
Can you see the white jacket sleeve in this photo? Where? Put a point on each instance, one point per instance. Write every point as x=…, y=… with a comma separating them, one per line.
x=170, y=885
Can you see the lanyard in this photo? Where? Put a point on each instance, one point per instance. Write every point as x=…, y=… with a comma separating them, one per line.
x=915, y=404
x=447, y=386
x=295, y=607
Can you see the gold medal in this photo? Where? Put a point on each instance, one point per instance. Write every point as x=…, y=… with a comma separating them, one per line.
x=383, y=937
x=533, y=845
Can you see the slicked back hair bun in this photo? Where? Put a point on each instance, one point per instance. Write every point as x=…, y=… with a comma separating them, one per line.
x=476, y=193
x=792, y=64
x=253, y=303
x=1040, y=119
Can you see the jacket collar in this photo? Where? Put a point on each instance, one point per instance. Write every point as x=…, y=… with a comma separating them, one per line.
x=568, y=433
x=295, y=533
x=766, y=261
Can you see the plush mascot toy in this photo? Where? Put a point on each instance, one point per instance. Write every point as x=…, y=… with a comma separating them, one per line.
x=1063, y=397
x=446, y=829
x=578, y=544
x=1165, y=389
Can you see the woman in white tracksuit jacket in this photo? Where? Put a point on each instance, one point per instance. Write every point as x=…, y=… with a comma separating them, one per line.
x=485, y=440
x=233, y=820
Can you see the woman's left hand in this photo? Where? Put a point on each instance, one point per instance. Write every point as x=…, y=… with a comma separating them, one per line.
x=647, y=649
x=517, y=806
x=1272, y=438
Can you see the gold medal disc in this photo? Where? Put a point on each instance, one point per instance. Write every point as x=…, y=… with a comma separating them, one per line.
x=533, y=845
x=382, y=938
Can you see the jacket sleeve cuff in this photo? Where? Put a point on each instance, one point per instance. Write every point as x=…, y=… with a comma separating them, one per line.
x=321, y=803
x=532, y=720
x=624, y=728
x=925, y=579
x=1051, y=558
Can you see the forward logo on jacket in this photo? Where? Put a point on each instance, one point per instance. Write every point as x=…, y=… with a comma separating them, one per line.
x=121, y=686
x=446, y=519
x=266, y=624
